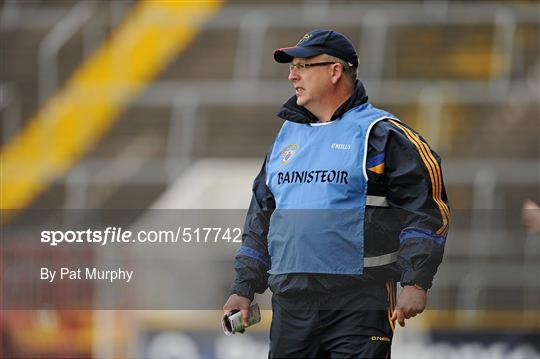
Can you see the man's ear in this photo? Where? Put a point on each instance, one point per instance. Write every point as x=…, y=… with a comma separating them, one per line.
x=337, y=73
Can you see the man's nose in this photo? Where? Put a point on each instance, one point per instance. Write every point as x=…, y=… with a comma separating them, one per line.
x=293, y=75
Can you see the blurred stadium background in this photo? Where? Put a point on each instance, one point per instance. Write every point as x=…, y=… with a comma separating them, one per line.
x=171, y=104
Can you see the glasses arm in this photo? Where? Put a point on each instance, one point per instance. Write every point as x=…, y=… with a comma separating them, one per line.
x=305, y=66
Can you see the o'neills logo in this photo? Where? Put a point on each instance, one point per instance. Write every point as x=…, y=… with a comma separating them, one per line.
x=382, y=339
x=317, y=176
x=288, y=152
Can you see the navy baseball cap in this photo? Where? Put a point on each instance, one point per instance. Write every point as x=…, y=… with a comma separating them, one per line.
x=318, y=42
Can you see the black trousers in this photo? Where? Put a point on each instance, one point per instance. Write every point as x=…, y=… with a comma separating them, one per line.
x=354, y=323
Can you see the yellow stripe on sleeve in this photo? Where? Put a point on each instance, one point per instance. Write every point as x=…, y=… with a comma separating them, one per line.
x=435, y=176
x=428, y=158
x=379, y=169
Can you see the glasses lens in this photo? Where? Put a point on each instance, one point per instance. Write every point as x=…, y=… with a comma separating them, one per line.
x=296, y=66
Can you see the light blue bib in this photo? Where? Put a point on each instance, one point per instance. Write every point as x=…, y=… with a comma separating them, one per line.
x=318, y=177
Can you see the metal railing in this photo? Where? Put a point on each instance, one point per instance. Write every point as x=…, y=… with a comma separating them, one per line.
x=11, y=108
x=53, y=42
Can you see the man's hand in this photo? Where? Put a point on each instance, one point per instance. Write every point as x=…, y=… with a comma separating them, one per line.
x=411, y=301
x=238, y=302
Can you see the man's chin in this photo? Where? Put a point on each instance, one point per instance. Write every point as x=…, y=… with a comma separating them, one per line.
x=300, y=101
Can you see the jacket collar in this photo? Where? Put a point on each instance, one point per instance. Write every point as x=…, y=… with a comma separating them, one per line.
x=292, y=112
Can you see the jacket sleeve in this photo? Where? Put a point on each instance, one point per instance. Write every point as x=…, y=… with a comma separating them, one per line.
x=252, y=260
x=415, y=187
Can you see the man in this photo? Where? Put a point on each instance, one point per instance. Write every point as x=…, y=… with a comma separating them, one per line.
x=530, y=216
x=348, y=202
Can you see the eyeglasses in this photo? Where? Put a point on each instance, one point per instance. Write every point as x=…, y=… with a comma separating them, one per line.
x=306, y=66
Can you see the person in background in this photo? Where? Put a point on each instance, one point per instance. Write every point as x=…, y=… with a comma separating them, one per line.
x=530, y=216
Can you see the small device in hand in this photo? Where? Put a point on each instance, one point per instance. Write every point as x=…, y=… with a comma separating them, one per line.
x=232, y=322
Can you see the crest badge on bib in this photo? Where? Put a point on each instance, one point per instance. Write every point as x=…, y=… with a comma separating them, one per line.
x=288, y=152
